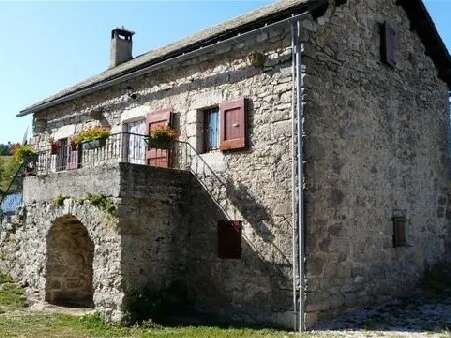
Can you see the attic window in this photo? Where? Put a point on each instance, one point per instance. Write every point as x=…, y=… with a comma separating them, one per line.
x=388, y=44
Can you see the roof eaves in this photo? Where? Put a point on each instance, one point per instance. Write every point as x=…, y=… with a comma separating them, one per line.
x=243, y=23
x=428, y=33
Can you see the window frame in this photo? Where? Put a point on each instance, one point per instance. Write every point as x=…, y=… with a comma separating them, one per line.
x=206, y=113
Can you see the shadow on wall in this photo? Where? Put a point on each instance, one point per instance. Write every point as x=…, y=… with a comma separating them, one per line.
x=247, y=290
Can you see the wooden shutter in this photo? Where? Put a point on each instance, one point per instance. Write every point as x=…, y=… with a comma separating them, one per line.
x=229, y=239
x=233, y=125
x=388, y=44
x=158, y=157
x=399, y=231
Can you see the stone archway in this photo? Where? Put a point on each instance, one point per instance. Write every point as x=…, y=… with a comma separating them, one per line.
x=69, y=270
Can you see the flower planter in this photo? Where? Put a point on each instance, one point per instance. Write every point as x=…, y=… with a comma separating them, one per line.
x=54, y=149
x=158, y=143
x=93, y=144
x=161, y=138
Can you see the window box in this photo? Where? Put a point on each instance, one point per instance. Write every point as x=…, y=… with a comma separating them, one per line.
x=161, y=138
x=93, y=144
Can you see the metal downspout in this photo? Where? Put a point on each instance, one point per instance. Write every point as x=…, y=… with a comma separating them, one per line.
x=298, y=177
x=293, y=176
x=300, y=153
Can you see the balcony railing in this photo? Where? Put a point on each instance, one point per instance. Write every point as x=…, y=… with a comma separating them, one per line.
x=119, y=147
x=132, y=148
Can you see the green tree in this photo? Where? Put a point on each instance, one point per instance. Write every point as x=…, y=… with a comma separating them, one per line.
x=5, y=149
x=8, y=168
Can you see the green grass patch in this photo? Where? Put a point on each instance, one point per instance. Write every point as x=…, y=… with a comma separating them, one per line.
x=11, y=296
x=17, y=321
x=32, y=324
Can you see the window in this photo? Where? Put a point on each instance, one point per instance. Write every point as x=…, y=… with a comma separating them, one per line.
x=399, y=231
x=388, y=44
x=223, y=127
x=229, y=239
x=136, y=151
x=211, y=129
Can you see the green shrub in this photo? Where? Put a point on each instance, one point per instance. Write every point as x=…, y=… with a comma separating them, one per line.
x=102, y=202
x=59, y=200
x=23, y=152
x=90, y=135
x=8, y=168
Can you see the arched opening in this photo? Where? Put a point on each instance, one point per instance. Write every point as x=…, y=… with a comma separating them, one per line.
x=70, y=253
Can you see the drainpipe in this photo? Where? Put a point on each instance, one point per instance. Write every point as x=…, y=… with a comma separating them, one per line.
x=298, y=177
x=293, y=177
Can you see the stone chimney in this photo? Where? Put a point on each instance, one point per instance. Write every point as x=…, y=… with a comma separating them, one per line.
x=121, y=46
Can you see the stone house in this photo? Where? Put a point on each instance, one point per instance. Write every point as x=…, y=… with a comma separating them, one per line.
x=309, y=175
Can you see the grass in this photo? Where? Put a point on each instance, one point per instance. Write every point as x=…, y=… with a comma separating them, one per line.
x=51, y=325
x=11, y=296
x=18, y=321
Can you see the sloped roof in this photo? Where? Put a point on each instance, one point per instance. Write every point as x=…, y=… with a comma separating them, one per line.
x=418, y=15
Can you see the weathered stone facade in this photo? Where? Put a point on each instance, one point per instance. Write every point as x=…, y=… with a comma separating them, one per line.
x=257, y=288
x=376, y=143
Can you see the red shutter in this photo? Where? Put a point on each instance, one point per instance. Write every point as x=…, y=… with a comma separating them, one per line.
x=158, y=157
x=389, y=44
x=229, y=239
x=233, y=125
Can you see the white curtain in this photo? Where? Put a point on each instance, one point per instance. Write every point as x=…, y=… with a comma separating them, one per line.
x=136, y=144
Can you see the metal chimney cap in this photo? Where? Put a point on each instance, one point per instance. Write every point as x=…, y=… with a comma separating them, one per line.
x=121, y=31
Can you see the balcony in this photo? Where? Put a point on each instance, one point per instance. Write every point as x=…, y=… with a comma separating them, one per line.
x=129, y=148
x=117, y=148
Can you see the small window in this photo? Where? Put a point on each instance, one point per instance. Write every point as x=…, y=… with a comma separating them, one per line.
x=229, y=239
x=388, y=44
x=399, y=231
x=211, y=129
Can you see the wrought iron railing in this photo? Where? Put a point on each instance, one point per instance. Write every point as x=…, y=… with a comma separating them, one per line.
x=119, y=147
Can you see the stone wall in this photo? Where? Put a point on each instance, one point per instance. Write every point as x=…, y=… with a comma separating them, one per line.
x=258, y=177
x=154, y=226
x=8, y=227
x=140, y=245
x=376, y=142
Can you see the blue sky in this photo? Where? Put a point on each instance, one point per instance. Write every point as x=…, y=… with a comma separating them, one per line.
x=47, y=46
